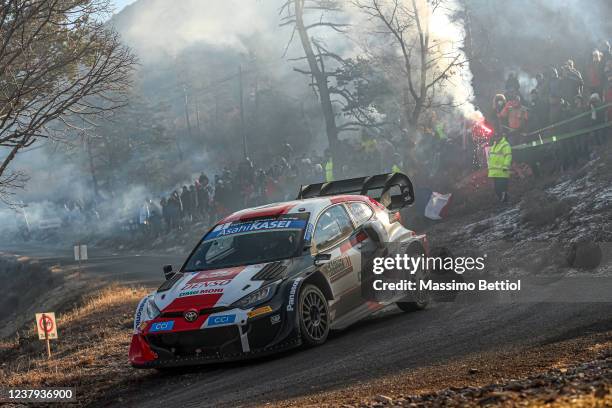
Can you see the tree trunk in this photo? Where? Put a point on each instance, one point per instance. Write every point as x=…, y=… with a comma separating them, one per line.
x=92, y=169
x=319, y=77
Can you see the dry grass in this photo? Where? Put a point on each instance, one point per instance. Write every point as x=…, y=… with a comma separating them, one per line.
x=91, y=353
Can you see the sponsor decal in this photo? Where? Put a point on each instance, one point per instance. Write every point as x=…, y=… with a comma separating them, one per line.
x=191, y=315
x=308, y=233
x=259, y=311
x=200, y=292
x=206, y=284
x=250, y=226
x=291, y=302
x=221, y=320
x=162, y=326
x=209, y=279
x=337, y=268
x=275, y=319
x=139, y=310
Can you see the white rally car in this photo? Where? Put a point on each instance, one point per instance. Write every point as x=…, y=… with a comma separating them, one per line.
x=278, y=276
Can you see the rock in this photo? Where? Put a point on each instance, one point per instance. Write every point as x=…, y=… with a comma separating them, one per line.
x=480, y=227
x=601, y=392
x=384, y=399
x=586, y=255
x=550, y=397
x=539, y=209
x=490, y=400
x=514, y=386
x=473, y=371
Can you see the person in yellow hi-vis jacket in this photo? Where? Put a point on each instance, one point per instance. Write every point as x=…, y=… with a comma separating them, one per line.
x=500, y=160
x=328, y=166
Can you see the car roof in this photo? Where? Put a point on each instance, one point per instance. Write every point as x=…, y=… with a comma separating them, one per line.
x=309, y=205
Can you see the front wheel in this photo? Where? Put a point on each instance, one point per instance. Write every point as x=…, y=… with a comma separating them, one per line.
x=313, y=315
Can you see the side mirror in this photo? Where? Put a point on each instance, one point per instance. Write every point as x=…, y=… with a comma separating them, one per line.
x=375, y=232
x=321, y=259
x=168, y=273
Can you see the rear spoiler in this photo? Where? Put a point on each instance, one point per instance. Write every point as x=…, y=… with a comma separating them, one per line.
x=393, y=190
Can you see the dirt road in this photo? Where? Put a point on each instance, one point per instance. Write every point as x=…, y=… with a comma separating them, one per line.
x=378, y=347
x=381, y=346
x=128, y=268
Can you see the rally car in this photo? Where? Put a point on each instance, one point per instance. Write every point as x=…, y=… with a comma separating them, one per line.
x=278, y=276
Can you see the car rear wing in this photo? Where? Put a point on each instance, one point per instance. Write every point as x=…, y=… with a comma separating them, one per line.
x=393, y=190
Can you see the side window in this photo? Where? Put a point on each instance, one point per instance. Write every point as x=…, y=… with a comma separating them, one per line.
x=333, y=226
x=361, y=212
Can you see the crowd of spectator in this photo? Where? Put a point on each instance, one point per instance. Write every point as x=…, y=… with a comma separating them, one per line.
x=244, y=185
x=235, y=187
x=564, y=100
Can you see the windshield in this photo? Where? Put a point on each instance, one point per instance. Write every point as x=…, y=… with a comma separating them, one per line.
x=248, y=242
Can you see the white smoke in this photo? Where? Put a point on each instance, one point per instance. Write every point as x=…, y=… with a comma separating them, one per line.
x=449, y=33
x=160, y=27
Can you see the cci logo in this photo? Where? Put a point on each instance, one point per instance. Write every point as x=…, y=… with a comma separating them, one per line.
x=162, y=326
x=221, y=320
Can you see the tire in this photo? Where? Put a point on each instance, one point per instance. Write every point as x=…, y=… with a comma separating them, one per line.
x=313, y=316
x=419, y=299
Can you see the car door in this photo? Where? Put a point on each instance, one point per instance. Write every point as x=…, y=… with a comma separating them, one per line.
x=332, y=235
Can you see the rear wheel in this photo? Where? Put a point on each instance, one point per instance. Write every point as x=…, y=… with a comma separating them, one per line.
x=418, y=299
x=313, y=315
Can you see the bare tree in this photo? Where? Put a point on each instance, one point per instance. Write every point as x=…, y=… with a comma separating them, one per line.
x=336, y=80
x=58, y=62
x=426, y=65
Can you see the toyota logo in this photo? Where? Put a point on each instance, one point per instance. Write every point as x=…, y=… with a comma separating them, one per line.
x=190, y=315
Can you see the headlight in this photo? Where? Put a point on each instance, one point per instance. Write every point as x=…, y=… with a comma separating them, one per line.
x=152, y=309
x=256, y=297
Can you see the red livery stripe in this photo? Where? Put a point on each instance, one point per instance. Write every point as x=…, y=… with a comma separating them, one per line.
x=359, y=237
x=268, y=211
x=197, y=302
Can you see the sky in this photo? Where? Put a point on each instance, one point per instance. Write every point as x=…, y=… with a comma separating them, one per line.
x=120, y=4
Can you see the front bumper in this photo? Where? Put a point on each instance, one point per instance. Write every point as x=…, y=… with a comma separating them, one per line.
x=257, y=337
x=182, y=361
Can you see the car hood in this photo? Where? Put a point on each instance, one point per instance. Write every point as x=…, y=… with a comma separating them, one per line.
x=216, y=288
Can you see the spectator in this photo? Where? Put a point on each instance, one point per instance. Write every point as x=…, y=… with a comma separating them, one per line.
x=163, y=203
x=186, y=201
x=594, y=73
x=606, y=52
x=175, y=210
x=608, y=92
x=499, y=101
x=577, y=145
x=538, y=111
x=571, y=81
x=193, y=203
x=554, y=84
x=597, y=117
x=541, y=86
x=516, y=114
x=203, y=196
x=329, y=166
x=143, y=217
x=513, y=87
x=500, y=160
x=155, y=220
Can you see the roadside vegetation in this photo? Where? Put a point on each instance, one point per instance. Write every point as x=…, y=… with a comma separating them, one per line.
x=90, y=354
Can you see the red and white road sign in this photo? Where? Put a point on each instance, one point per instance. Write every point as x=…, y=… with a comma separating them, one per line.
x=46, y=325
